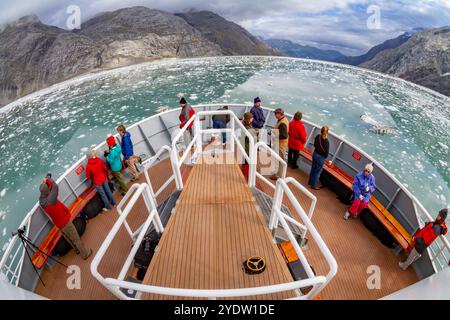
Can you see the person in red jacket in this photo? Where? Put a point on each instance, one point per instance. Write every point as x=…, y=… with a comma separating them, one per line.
x=97, y=171
x=60, y=216
x=297, y=139
x=187, y=112
x=425, y=237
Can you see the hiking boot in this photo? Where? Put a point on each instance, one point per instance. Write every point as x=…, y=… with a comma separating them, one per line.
x=90, y=253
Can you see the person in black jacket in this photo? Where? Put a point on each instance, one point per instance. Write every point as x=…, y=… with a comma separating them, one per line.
x=321, y=151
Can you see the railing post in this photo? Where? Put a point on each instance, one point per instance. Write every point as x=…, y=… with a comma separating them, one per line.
x=198, y=136
x=276, y=205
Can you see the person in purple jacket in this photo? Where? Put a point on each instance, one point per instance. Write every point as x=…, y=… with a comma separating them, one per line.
x=258, y=115
x=363, y=187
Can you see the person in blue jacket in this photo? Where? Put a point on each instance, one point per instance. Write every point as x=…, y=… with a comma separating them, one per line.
x=258, y=115
x=127, y=150
x=114, y=158
x=363, y=187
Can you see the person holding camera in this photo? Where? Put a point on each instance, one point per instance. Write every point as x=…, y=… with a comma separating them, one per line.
x=60, y=215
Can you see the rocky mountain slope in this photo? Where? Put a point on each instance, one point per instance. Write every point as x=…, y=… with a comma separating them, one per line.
x=388, y=44
x=231, y=37
x=34, y=55
x=424, y=59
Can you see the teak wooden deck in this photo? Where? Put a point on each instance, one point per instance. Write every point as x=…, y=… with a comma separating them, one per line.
x=214, y=229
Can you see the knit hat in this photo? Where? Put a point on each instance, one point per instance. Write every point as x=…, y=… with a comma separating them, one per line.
x=183, y=101
x=443, y=213
x=111, y=141
x=257, y=99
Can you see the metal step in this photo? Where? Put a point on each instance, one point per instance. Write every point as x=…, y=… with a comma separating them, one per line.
x=264, y=201
x=165, y=210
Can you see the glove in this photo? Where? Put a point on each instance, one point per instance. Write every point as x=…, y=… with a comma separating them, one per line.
x=361, y=197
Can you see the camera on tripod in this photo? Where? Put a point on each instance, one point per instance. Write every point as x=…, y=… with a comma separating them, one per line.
x=20, y=231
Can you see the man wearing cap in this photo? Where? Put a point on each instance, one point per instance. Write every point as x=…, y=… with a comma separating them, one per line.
x=187, y=112
x=114, y=158
x=258, y=115
x=425, y=237
x=60, y=216
x=281, y=135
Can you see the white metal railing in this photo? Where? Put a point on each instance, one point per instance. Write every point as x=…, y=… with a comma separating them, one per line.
x=254, y=174
x=278, y=201
x=114, y=285
x=277, y=216
x=176, y=175
x=197, y=138
x=137, y=191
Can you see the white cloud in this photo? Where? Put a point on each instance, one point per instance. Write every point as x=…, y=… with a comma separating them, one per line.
x=335, y=23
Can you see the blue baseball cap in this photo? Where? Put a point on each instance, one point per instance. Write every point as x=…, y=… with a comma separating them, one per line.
x=257, y=99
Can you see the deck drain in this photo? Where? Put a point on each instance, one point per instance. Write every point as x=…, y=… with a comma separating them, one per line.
x=254, y=265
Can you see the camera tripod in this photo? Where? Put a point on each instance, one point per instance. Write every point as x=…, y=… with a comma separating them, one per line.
x=26, y=242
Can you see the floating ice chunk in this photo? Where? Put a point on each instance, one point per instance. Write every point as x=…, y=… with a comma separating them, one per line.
x=81, y=136
x=444, y=146
x=3, y=192
x=64, y=129
x=391, y=108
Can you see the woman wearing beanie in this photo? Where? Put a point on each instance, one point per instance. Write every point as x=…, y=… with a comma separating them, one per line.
x=114, y=158
x=363, y=187
x=425, y=237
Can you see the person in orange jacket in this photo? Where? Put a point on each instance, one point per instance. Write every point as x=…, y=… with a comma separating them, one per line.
x=425, y=237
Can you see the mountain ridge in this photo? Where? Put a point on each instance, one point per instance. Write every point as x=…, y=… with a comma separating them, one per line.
x=34, y=55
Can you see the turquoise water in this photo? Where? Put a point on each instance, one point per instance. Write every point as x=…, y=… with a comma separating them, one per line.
x=47, y=131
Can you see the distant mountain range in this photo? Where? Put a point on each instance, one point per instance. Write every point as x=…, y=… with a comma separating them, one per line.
x=292, y=49
x=34, y=55
x=421, y=56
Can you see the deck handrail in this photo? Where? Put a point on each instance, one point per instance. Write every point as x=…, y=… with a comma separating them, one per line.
x=199, y=132
x=253, y=166
x=10, y=255
x=277, y=215
x=137, y=236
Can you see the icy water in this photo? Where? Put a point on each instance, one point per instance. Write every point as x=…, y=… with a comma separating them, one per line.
x=47, y=131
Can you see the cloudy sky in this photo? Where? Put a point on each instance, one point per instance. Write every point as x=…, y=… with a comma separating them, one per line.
x=332, y=24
